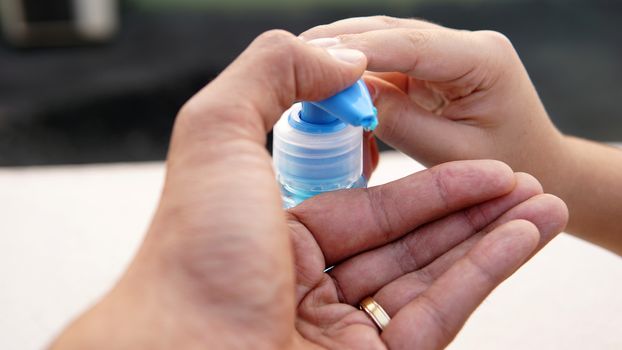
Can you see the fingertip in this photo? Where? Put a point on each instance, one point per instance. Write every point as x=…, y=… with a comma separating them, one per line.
x=499, y=166
x=528, y=183
x=563, y=211
x=547, y=212
x=520, y=235
x=389, y=100
x=376, y=85
x=496, y=175
x=556, y=217
x=505, y=249
x=502, y=171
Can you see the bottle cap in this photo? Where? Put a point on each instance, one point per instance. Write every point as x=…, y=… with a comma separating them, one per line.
x=318, y=146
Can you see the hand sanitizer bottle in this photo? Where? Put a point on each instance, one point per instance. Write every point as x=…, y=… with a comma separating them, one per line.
x=318, y=146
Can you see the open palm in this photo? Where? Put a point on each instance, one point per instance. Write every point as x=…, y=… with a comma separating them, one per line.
x=427, y=256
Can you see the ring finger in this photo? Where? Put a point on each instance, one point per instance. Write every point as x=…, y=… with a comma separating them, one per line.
x=398, y=293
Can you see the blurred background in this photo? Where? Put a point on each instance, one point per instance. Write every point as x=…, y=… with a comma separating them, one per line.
x=91, y=81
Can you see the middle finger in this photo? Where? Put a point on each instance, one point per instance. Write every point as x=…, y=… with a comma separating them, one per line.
x=364, y=274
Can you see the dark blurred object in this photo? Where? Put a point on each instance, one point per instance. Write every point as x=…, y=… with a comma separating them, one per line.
x=35, y=23
x=117, y=102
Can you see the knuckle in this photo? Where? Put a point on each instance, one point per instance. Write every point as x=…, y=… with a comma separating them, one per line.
x=377, y=197
x=497, y=40
x=500, y=56
x=475, y=218
x=391, y=128
x=387, y=20
x=437, y=318
x=278, y=48
x=191, y=118
x=204, y=117
x=417, y=37
x=275, y=46
x=354, y=41
x=345, y=37
x=482, y=265
x=442, y=178
x=275, y=38
x=318, y=31
x=188, y=114
x=406, y=256
x=278, y=52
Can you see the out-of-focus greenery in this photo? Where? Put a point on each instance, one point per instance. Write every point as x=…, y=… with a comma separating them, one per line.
x=285, y=4
x=259, y=4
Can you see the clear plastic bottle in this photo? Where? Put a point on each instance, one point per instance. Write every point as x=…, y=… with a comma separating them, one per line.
x=292, y=196
x=318, y=146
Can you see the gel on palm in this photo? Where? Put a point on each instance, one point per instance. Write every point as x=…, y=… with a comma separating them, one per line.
x=318, y=146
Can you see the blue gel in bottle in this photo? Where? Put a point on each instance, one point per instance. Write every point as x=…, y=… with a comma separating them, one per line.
x=318, y=146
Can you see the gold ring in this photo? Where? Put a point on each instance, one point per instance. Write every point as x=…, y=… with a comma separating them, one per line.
x=375, y=312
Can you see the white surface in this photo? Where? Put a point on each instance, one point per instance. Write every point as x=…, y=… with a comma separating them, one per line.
x=67, y=233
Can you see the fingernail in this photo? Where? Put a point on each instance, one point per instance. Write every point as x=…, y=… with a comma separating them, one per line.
x=347, y=55
x=373, y=90
x=324, y=42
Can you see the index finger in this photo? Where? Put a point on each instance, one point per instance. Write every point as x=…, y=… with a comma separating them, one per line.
x=357, y=25
x=348, y=222
x=437, y=55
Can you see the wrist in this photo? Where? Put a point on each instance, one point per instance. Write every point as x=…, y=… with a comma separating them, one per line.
x=540, y=150
x=549, y=158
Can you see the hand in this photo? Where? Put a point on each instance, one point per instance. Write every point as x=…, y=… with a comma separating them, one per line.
x=445, y=94
x=428, y=248
x=222, y=266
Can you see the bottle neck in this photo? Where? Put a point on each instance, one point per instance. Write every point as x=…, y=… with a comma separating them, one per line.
x=313, y=114
x=316, y=161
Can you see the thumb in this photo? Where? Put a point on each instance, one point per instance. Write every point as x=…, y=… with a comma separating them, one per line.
x=276, y=70
x=217, y=156
x=220, y=200
x=410, y=128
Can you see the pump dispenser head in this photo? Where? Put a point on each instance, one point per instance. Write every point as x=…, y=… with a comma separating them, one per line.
x=318, y=146
x=352, y=105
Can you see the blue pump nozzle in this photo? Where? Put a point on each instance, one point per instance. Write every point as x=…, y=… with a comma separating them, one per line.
x=352, y=105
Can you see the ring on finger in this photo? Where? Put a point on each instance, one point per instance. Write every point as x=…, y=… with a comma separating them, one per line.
x=375, y=312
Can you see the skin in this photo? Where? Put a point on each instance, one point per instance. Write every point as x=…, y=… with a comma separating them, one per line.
x=223, y=266
x=445, y=94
